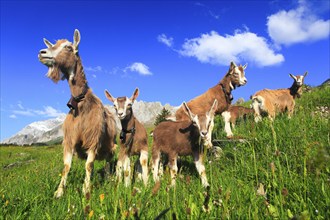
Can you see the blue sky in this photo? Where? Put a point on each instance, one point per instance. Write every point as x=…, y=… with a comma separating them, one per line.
x=172, y=50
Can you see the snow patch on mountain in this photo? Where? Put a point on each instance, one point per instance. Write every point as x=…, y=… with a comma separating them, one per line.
x=51, y=129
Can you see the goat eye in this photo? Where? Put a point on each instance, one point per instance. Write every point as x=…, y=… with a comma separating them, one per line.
x=69, y=48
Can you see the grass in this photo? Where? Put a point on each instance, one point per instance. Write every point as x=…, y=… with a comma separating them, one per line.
x=282, y=171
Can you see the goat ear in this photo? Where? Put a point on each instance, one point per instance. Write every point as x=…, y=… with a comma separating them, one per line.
x=187, y=111
x=76, y=39
x=232, y=65
x=109, y=96
x=48, y=44
x=305, y=74
x=244, y=67
x=293, y=77
x=135, y=94
x=214, y=107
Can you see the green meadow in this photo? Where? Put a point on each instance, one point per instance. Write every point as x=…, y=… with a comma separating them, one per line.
x=280, y=171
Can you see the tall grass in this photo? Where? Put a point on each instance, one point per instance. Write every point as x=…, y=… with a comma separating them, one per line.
x=281, y=171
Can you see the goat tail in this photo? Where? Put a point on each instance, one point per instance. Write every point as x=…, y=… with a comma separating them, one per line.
x=256, y=98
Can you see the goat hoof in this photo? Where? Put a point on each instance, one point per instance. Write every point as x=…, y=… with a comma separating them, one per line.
x=206, y=185
x=58, y=193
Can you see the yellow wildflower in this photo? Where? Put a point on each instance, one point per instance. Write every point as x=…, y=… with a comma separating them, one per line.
x=101, y=197
x=91, y=213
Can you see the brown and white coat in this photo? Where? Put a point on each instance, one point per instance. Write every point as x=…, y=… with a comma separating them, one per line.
x=231, y=115
x=89, y=128
x=133, y=137
x=235, y=77
x=271, y=102
x=181, y=138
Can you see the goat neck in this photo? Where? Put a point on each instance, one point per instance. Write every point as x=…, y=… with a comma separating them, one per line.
x=128, y=127
x=295, y=90
x=78, y=87
x=78, y=82
x=227, y=87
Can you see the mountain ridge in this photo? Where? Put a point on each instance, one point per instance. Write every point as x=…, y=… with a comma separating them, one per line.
x=50, y=130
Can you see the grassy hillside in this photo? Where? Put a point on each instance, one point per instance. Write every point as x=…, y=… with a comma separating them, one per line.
x=281, y=171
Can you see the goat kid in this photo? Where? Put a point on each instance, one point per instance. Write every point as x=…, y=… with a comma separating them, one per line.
x=271, y=102
x=180, y=138
x=133, y=138
x=232, y=114
x=235, y=77
x=89, y=128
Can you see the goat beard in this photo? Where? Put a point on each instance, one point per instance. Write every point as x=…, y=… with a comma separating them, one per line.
x=54, y=74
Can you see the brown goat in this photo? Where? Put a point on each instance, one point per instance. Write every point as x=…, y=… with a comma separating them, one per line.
x=232, y=114
x=180, y=138
x=270, y=102
x=89, y=128
x=133, y=137
x=221, y=92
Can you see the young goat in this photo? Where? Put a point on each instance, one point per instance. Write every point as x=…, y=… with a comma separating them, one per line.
x=221, y=92
x=180, y=138
x=89, y=128
x=133, y=137
x=271, y=102
x=232, y=114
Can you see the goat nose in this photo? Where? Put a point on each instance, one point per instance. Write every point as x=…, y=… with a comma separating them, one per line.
x=43, y=51
x=204, y=133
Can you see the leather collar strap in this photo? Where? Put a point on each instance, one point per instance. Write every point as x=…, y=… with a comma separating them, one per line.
x=123, y=136
x=229, y=96
x=74, y=100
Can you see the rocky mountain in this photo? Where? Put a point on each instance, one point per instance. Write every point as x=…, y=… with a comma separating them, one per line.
x=38, y=132
x=50, y=130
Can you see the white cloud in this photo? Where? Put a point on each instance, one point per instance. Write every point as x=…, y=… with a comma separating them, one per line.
x=94, y=69
x=20, y=105
x=141, y=68
x=168, y=41
x=47, y=111
x=13, y=116
x=24, y=112
x=297, y=25
x=220, y=50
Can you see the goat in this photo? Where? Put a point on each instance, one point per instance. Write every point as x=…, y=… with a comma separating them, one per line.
x=89, y=128
x=271, y=102
x=221, y=92
x=232, y=114
x=133, y=137
x=179, y=138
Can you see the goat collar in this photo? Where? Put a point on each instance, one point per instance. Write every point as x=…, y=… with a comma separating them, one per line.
x=74, y=100
x=123, y=135
x=228, y=95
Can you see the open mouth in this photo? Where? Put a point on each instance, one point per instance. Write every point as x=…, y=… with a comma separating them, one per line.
x=45, y=58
